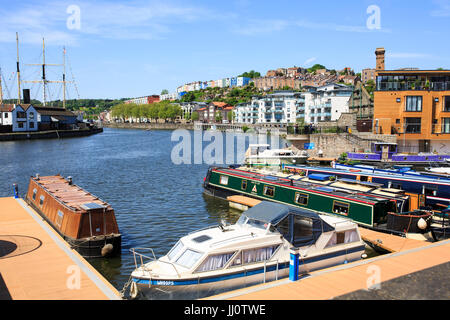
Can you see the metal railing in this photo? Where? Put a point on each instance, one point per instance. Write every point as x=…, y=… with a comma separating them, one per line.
x=143, y=256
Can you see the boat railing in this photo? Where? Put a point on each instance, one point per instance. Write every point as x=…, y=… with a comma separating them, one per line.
x=142, y=258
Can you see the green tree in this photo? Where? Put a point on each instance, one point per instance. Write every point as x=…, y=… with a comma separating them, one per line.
x=164, y=91
x=195, y=116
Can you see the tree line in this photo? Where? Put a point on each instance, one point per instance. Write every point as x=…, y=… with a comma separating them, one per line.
x=157, y=110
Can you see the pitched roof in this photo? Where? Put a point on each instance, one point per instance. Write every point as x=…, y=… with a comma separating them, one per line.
x=6, y=107
x=49, y=111
x=219, y=104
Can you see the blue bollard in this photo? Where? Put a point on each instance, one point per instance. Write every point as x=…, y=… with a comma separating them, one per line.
x=293, y=264
x=16, y=191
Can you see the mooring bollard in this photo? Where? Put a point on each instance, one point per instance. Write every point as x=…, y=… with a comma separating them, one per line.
x=293, y=264
x=16, y=190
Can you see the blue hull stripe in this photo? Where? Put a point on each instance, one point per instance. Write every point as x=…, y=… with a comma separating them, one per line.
x=281, y=266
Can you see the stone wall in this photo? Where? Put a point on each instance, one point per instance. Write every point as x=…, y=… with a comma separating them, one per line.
x=150, y=126
x=334, y=144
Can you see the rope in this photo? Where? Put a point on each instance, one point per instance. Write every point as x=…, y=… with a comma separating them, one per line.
x=125, y=287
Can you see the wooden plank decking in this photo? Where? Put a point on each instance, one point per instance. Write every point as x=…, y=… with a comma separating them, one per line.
x=361, y=275
x=36, y=263
x=390, y=242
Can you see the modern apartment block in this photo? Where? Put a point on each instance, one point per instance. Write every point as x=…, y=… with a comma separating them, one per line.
x=326, y=103
x=279, y=107
x=415, y=105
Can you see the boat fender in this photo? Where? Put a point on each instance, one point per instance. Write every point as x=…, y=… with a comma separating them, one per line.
x=422, y=224
x=364, y=256
x=107, y=249
x=133, y=290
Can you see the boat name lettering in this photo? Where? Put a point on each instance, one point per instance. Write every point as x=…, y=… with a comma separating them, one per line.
x=164, y=283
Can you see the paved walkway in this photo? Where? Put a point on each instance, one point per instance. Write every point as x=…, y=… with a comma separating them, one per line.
x=36, y=263
x=344, y=279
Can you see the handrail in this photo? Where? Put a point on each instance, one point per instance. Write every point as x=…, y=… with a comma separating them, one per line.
x=133, y=250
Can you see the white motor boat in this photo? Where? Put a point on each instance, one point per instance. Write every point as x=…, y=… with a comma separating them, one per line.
x=254, y=250
x=263, y=155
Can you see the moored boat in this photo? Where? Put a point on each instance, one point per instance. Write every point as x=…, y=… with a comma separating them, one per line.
x=384, y=152
x=261, y=155
x=254, y=250
x=86, y=222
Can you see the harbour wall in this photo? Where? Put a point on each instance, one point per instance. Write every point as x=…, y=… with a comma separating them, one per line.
x=50, y=134
x=334, y=144
x=150, y=126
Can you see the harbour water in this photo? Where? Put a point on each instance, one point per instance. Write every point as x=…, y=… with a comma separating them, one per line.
x=155, y=201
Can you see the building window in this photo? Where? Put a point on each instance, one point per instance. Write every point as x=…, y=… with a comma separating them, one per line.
x=445, y=125
x=447, y=103
x=412, y=125
x=31, y=115
x=31, y=125
x=34, y=193
x=414, y=103
x=6, y=115
x=41, y=201
x=20, y=125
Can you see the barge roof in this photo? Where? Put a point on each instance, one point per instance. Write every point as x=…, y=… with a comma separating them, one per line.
x=70, y=195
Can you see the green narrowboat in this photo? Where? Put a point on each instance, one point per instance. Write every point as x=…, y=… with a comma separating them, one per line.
x=365, y=210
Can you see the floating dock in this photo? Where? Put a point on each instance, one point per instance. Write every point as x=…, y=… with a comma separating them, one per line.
x=37, y=264
x=412, y=256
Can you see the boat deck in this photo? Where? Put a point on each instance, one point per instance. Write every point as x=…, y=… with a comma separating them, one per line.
x=69, y=194
x=37, y=264
x=390, y=242
x=344, y=279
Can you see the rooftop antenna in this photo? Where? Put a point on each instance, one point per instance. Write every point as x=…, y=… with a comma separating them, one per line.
x=18, y=69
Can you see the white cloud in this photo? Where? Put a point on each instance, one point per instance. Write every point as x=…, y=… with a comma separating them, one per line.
x=443, y=9
x=309, y=61
x=129, y=20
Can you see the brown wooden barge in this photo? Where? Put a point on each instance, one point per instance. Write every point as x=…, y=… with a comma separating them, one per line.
x=86, y=222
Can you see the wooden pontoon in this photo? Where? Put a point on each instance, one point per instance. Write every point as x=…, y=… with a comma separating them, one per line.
x=86, y=222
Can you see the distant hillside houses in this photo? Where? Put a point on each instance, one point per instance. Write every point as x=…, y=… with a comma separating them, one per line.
x=221, y=83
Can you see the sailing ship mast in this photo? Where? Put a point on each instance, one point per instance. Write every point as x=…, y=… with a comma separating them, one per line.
x=18, y=69
x=44, y=80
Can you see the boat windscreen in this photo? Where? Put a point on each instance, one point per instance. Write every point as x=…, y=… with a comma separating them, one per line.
x=257, y=224
x=175, y=250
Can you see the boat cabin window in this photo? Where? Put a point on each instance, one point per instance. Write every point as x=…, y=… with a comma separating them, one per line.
x=363, y=178
x=257, y=224
x=34, y=193
x=341, y=208
x=303, y=230
x=429, y=190
x=395, y=185
x=343, y=237
x=269, y=191
x=224, y=180
x=175, y=250
x=59, y=218
x=254, y=255
x=244, y=185
x=188, y=258
x=214, y=262
x=41, y=200
x=301, y=198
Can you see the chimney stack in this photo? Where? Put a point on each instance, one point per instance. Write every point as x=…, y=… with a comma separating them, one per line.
x=379, y=53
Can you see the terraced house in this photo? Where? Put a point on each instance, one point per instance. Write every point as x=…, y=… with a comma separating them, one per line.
x=415, y=105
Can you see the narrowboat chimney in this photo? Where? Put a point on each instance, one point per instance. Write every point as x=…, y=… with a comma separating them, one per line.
x=69, y=179
x=37, y=176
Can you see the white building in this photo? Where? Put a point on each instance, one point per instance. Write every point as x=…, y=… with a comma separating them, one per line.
x=169, y=96
x=280, y=107
x=327, y=103
x=6, y=114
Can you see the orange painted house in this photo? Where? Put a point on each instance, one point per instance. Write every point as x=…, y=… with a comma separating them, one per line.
x=415, y=105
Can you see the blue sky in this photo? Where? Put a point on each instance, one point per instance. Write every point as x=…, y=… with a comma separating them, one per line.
x=136, y=48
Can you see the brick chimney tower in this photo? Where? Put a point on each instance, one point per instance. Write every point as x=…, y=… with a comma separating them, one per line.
x=379, y=53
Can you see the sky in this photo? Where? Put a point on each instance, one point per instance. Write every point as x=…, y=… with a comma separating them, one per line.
x=123, y=49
